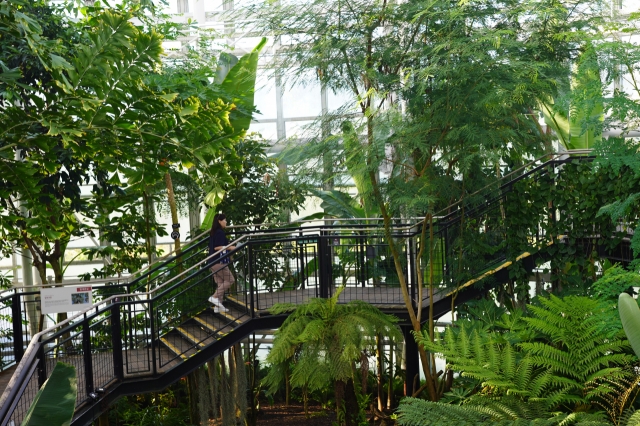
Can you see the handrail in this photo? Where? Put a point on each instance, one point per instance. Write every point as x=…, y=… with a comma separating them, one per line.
x=153, y=294
x=552, y=155
x=125, y=280
x=149, y=294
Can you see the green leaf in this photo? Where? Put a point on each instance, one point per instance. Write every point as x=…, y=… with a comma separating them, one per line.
x=55, y=402
x=241, y=81
x=188, y=110
x=630, y=316
x=207, y=222
x=169, y=97
x=214, y=196
x=59, y=62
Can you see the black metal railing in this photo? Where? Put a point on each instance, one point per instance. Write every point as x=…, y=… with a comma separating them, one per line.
x=128, y=336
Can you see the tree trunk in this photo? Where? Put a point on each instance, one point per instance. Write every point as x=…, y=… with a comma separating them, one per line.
x=241, y=384
x=147, y=216
x=339, y=389
x=214, y=386
x=352, y=409
x=364, y=372
x=193, y=398
x=287, y=387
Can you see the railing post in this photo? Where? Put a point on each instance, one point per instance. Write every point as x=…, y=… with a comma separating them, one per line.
x=116, y=341
x=153, y=337
x=412, y=273
x=301, y=245
x=323, y=264
x=361, y=242
x=16, y=318
x=445, y=265
x=252, y=292
x=86, y=352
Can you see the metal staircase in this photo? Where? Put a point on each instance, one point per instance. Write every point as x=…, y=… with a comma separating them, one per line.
x=148, y=333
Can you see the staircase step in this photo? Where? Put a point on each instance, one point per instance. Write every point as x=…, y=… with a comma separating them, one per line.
x=194, y=332
x=233, y=316
x=234, y=313
x=212, y=323
x=236, y=300
x=179, y=345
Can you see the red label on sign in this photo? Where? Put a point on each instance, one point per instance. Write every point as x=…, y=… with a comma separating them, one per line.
x=83, y=289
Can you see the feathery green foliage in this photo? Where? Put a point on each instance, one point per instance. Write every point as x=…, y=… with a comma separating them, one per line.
x=326, y=337
x=507, y=383
x=563, y=354
x=575, y=347
x=615, y=280
x=321, y=340
x=417, y=412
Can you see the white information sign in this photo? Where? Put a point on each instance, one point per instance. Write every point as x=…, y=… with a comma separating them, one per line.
x=65, y=299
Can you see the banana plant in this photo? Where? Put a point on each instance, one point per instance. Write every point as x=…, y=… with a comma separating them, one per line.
x=239, y=82
x=586, y=106
x=630, y=316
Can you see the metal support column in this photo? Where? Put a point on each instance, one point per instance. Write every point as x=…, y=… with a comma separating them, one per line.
x=16, y=314
x=154, y=367
x=324, y=263
x=116, y=339
x=411, y=361
x=86, y=353
x=252, y=291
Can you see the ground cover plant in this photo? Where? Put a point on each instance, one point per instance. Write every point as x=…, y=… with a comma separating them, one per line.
x=565, y=360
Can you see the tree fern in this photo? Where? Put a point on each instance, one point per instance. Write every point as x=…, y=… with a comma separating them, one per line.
x=321, y=340
x=499, y=368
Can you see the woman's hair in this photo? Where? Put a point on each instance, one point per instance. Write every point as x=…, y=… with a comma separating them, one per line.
x=216, y=222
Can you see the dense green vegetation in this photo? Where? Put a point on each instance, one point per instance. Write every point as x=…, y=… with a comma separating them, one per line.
x=448, y=100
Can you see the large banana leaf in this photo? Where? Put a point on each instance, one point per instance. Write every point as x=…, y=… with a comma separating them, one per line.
x=576, y=128
x=630, y=316
x=55, y=402
x=240, y=82
x=557, y=120
x=357, y=167
x=339, y=204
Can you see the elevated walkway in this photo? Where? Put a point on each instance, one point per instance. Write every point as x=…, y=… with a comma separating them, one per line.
x=150, y=332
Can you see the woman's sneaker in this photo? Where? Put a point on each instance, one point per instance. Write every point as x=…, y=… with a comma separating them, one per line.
x=217, y=305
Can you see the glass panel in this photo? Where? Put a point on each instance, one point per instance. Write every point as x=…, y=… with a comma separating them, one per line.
x=298, y=129
x=213, y=5
x=268, y=131
x=302, y=99
x=341, y=99
x=265, y=96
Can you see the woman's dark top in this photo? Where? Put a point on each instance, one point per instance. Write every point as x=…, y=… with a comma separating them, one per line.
x=218, y=239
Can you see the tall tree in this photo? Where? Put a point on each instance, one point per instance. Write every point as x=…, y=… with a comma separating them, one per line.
x=89, y=118
x=446, y=91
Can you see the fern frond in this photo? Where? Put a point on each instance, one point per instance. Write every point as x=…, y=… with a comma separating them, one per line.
x=414, y=412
